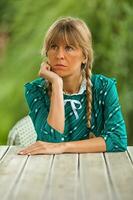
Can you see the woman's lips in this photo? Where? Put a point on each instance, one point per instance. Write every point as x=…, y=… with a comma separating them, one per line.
x=59, y=67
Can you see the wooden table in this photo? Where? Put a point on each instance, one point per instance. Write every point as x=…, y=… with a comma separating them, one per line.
x=94, y=176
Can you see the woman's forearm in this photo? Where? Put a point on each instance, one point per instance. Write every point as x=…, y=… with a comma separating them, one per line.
x=56, y=117
x=92, y=145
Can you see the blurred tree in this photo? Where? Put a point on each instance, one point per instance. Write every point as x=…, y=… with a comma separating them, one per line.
x=25, y=23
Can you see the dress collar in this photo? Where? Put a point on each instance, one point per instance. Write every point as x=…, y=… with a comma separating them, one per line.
x=81, y=90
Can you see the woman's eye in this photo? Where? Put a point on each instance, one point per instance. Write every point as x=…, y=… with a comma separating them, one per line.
x=69, y=48
x=54, y=46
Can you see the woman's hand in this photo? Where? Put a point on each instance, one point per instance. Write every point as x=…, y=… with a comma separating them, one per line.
x=45, y=72
x=40, y=147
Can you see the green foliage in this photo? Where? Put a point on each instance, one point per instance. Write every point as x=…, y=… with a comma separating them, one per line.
x=26, y=22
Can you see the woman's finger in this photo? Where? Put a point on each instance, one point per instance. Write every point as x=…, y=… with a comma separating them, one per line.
x=49, y=64
x=30, y=148
x=45, y=65
x=29, y=151
x=35, y=151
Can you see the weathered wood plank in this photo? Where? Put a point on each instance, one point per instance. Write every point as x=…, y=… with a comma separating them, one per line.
x=67, y=176
x=121, y=173
x=10, y=168
x=32, y=184
x=3, y=150
x=94, y=179
x=64, y=178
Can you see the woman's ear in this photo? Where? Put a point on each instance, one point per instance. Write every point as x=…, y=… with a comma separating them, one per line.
x=84, y=61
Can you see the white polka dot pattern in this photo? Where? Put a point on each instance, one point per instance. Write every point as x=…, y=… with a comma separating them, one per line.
x=23, y=133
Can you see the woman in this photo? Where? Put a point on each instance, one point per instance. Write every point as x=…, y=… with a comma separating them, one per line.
x=72, y=109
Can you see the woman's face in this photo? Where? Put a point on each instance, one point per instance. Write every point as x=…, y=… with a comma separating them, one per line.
x=65, y=60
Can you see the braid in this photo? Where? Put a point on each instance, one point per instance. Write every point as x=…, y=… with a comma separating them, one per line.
x=88, y=93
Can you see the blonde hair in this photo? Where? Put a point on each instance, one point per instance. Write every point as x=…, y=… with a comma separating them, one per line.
x=74, y=31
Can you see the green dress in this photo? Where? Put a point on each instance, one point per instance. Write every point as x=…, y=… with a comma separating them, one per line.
x=106, y=120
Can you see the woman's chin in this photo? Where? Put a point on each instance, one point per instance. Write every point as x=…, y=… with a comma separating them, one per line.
x=61, y=73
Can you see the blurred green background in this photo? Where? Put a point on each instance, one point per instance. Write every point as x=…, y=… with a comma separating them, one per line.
x=23, y=24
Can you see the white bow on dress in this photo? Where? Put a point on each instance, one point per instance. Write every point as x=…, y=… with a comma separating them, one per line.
x=73, y=105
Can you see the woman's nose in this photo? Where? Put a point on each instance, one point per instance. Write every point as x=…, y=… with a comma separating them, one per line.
x=60, y=53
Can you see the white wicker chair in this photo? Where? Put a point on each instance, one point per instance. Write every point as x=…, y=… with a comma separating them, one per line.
x=22, y=133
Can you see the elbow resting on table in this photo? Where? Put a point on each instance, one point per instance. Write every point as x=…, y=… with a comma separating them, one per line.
x=117, y=147
x=122, y=148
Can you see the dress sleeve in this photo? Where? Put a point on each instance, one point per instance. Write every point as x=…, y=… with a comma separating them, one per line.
x=114, y=132
x=35, y=94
